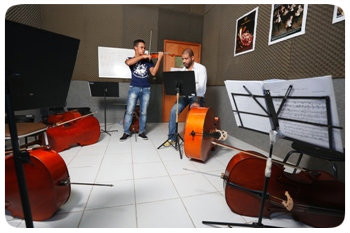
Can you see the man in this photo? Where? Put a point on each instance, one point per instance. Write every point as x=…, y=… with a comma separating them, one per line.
x=141, y=66
x=200, y=73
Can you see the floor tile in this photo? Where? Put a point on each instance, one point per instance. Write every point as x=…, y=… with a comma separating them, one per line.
x=115, y=147
x=78, y=197
x=83, y=174
x=117, y=159
x=94, y=149
x=169, y=154
x=61, y=220
x=145, y=155
x=147, y=170
x=210, y=207
x=154, y=189
x=176, y=167
x=165, y=214
x=192, y=184
x=122, y=193
x=216, y=180
x=111, y=172
x=116, y=217
x=211, y=164
x=85, y=160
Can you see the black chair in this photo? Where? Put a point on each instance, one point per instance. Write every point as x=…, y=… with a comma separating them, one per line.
x=317, y=152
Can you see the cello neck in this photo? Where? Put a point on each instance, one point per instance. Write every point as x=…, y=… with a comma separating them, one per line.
x=257, y=156
x=65, y=122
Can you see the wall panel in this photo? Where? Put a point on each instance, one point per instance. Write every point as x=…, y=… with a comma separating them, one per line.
x=320, y=51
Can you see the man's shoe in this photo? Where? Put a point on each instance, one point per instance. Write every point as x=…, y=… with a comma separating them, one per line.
x=143, y=136
x=124, y=137
x=169, y=143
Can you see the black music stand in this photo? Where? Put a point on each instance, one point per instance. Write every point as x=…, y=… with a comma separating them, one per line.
x=271, y=113
x=39, y=65
x=179, y=83
x=105, y=89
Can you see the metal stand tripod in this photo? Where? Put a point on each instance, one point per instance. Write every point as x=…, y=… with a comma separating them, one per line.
x=177, y=145
x=105, y=106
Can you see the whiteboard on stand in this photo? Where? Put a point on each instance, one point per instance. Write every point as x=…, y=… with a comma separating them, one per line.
x=111, y=62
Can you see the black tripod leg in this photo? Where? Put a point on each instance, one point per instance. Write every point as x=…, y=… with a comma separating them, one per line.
x=162, y=144
x=229, y=224
x=178, y=145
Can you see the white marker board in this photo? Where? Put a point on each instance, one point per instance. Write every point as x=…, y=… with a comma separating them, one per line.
x=111, y=62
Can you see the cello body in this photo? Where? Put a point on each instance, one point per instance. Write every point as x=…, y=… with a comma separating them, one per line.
x=84, y=131
x=319, y=197
x=44, y=174
x=199, y=121
x=61, y=117
x=135, y=124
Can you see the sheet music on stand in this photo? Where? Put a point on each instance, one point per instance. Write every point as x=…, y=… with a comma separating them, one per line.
x=306, y=113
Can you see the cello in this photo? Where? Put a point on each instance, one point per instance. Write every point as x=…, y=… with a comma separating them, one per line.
x=44, y=175
x=48, y=184
x=54, y=119
x=318, y=197
x=200, y=130
x=135, y=123
x=71, y=128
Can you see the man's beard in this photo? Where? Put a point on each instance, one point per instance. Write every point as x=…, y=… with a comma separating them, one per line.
x=189, y=65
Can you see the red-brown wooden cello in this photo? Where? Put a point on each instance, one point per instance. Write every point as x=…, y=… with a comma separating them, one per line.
x=45, y=174
x=318, y=197
x=47, y=180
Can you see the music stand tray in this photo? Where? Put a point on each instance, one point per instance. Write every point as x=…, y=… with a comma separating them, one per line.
x=179, y=83
x=104, y=89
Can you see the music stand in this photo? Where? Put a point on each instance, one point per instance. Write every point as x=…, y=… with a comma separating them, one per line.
x=271, y=113
x=39, y=66
x=179, y=83
x=99, y=89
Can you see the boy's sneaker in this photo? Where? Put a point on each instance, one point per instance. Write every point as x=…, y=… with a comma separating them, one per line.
x=124, y=137
x=143, y=136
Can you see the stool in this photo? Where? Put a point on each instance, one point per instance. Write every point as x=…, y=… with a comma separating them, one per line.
x=317, y=152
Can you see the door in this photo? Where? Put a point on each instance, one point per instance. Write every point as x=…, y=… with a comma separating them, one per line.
x=176, y=47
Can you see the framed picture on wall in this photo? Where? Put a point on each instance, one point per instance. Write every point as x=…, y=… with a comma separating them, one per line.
x=338, y=14
x=287, y=21
x=246, y=33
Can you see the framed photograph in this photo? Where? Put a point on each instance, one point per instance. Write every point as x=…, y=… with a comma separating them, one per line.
x=338, y=14
x=246, y=33
x=287, y=21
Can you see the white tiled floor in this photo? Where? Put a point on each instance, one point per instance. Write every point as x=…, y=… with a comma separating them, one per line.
x=151, y=188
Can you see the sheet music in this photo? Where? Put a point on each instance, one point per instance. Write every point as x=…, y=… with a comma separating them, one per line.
x=311, y=110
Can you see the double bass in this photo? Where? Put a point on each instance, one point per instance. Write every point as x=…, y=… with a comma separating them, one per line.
x=201, y=129
x=318, y=197
x=47, y=180
x=71, y=128
x=47, y=186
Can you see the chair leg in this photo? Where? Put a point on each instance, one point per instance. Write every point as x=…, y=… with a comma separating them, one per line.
x=299, y=159
x=334, y=168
